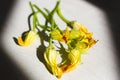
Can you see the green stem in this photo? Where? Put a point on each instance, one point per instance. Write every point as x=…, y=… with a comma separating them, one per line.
x=44, y=15
x=50, y=41
x=52, y=14
x=46, y=22
x=34, y=21
x=31, y=6
x=45, y=27
x=55, y=24
x=34, y=16
x=62, y=17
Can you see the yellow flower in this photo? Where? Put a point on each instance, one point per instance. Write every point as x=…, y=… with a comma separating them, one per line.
x=85, y=40
x=75, y=58
x=29, y=39
x=50, y=56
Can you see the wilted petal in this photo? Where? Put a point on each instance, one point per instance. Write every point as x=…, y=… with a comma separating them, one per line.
x=75, y=58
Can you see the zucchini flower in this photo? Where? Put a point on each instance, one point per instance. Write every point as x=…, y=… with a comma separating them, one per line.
x=28, y=39
x=75, y=58
x=84, y=38
x=50, y=56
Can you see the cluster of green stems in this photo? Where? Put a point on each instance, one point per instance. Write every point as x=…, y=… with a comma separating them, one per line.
x=49, y=17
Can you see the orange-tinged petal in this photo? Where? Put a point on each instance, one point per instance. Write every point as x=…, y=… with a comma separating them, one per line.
x=29, y=39
x=20, y=41
x=68, y=68
x=92, y=42
x=62, y=40
x=67, y=34
x=75, y=58
x=83, y=29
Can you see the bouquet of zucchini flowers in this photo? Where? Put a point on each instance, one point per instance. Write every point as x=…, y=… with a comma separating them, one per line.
x=73, y=42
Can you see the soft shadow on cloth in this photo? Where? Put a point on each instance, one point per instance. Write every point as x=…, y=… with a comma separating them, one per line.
x=112, y=11
x=8, y=69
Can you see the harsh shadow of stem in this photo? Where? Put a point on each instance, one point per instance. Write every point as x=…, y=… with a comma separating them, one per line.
x=25, y=32
x=29, y=21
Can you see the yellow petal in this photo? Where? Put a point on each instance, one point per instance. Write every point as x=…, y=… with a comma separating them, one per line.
x=29, y=39
x=67, y=33
x=75, y=58
x=20, y=41
x=57, y=71
x=50, y=56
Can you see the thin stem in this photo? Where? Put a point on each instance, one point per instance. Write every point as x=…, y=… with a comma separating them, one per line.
x=34, y=16
x=52, y=14
x=44, y=15
x=46, y=22
x=31, y=6
x=34, y=21
x=44, y=27
x=56, y=26
x=50, y=42
x=61, y=16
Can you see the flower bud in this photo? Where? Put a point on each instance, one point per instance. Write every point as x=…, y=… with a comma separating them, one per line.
x=29, y=39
